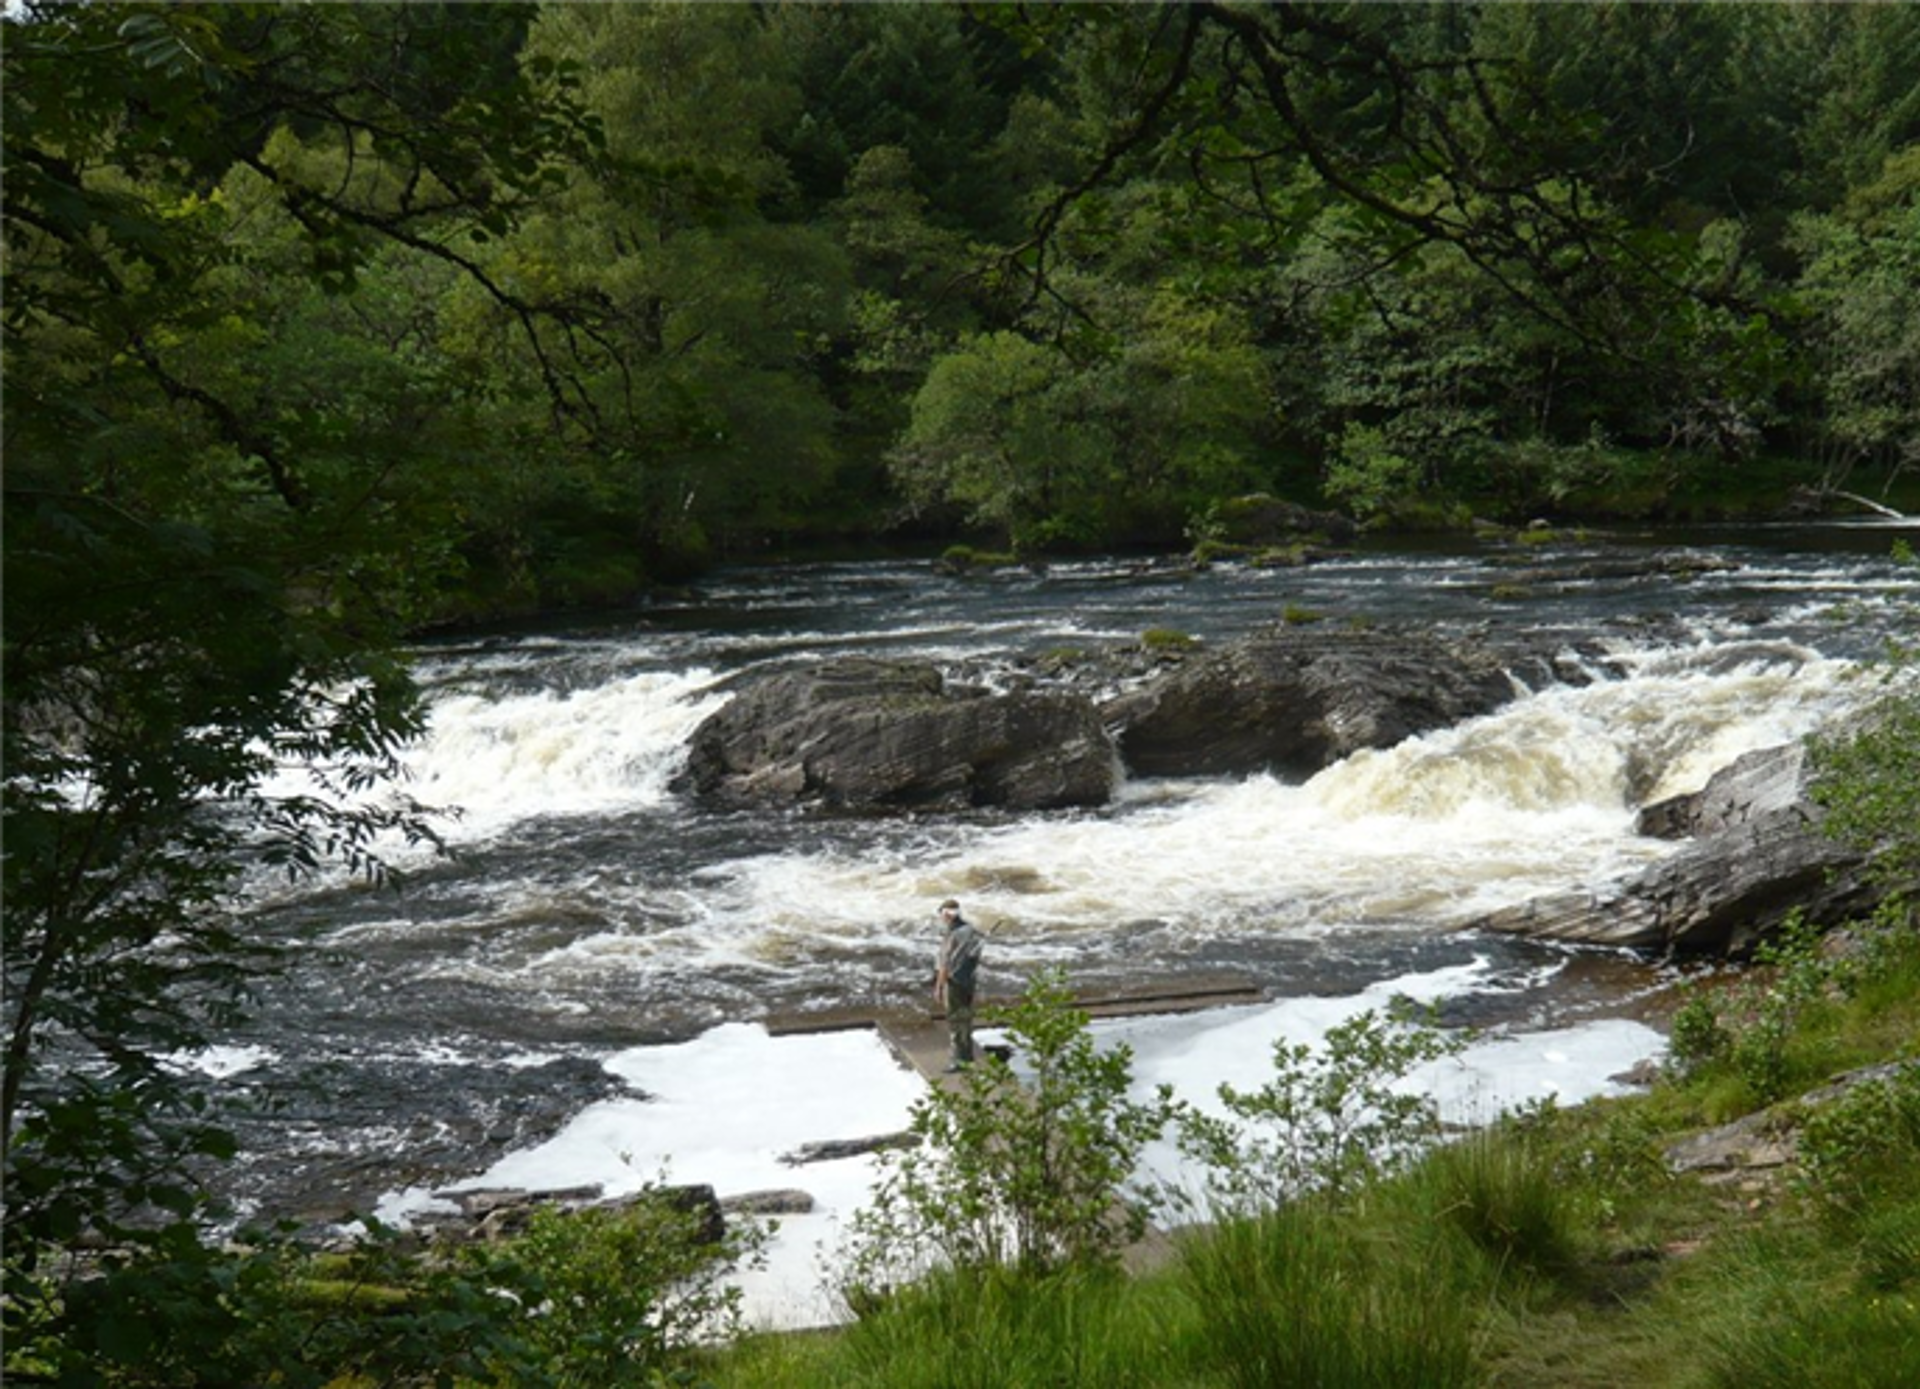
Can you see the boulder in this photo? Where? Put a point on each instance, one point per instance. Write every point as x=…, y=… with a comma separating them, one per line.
x=1656, y=564
x=1260, y=520
x=866, y=734
x=785, y=1201
x=1757, y=1141
x=1756, y=856
x=1770, y=1139
x=1295, y=698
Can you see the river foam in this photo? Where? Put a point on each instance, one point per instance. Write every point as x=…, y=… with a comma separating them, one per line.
x=726, y=1107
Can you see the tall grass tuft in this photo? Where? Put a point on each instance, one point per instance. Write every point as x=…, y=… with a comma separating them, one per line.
x=1293, y=1297
x=1508, y=1198
x=1076, y=1328
x=1890, y=1245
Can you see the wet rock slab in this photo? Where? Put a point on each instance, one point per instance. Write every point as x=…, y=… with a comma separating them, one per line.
x=1755, y=857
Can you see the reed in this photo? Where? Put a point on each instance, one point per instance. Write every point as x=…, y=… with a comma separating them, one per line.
x=1083, y=1328
x=1299, y=1296
x=1506, y=1195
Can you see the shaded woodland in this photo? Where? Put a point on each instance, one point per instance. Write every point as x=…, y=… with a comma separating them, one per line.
x=555, y=302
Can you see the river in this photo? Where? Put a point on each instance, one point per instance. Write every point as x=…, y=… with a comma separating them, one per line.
x=584, y=915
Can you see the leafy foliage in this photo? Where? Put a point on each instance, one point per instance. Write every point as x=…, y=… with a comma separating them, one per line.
x=1748, y=1027
x=1329, y=1119
x=1055, y=450
x=587, y=1298
x=207, y=577
x=1867, y=785
x=1869, y=1137
x=1022, y=1170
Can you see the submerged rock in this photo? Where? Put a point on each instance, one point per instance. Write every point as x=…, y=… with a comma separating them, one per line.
x=867, y=734
x=784, y=1201
x=1262, y=520
x=1756, y=856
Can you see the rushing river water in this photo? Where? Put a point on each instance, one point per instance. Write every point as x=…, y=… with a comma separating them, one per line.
x=585, y=910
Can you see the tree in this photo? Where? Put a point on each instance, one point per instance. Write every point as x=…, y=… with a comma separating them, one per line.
x=1858, y=67
x=1057, y=448
x=205, y=573
x=929, y=80
x=703, y=318
x=1860, y=290
x=1546, y=257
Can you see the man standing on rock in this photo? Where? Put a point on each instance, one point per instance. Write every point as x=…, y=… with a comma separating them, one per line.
x=953, y=980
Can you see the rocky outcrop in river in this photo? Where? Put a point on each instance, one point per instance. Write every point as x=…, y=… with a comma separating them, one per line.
x=1295, y=699
x=1755, y=855
x=875, y=735
x=864, y=734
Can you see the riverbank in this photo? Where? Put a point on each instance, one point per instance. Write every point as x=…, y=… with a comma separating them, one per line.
x=1584, y=1246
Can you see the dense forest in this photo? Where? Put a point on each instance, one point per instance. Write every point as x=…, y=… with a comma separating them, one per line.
x=555, y=302
x=329, y=323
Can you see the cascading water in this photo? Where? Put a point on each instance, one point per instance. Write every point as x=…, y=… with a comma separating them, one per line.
x=586, y=911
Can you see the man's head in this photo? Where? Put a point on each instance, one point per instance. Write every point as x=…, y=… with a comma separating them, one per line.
x=949, y=910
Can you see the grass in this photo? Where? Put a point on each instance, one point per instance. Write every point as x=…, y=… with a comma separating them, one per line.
x=1553, y=1249
x=1082, y=1329
x=1308, y=1294
x=1167, y=639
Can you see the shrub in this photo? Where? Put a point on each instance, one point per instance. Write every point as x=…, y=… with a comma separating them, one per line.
x=1024, y=1171
x=1696, y=1036
x=582, y=1299
x=1866, y=1138
x=1329, y=1119
x=1750, y=1030
x=610, y=1297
